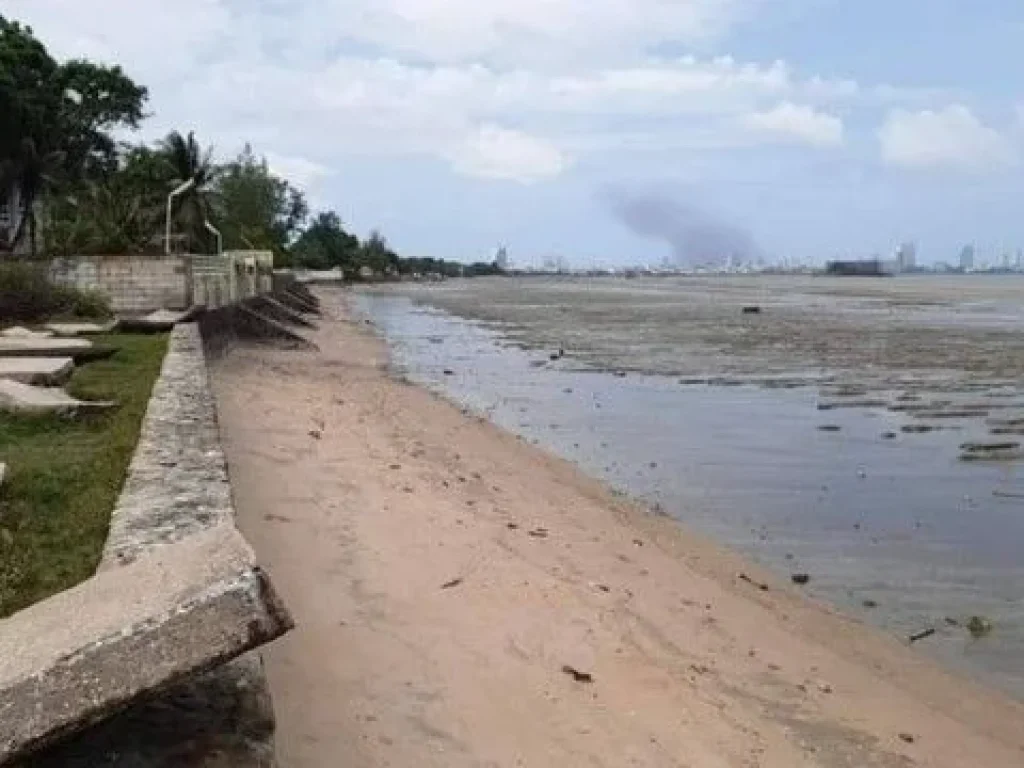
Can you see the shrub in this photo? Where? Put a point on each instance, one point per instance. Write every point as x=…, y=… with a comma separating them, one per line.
x=91, y=305
x=27, y=295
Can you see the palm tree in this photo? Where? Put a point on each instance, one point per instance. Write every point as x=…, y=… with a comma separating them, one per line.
x=189, y=161
x=32, y=173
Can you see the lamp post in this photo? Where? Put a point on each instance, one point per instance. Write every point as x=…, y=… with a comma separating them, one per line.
x=170, y=207
x=216, y=233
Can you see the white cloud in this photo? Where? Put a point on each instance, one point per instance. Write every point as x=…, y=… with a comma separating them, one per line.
x=513, y=32
x=949, y=138
x=798, y=123
x=492, y=152
x=300, y=171
x=314, y=82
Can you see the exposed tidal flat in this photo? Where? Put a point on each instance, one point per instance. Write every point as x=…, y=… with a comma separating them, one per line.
x=866, y=433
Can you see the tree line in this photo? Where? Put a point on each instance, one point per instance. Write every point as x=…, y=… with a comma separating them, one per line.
x=71, y=187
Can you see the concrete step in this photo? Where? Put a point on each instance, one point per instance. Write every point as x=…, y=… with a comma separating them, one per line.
x=42, y=347
x=20, y=332
x=41, y=371
x=24, y=398
x=81, y=329
x=85, y=654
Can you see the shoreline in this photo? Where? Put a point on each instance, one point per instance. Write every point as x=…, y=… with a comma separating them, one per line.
x=443, y=575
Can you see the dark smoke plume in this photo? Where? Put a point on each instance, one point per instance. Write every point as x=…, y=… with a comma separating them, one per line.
x=696, y=237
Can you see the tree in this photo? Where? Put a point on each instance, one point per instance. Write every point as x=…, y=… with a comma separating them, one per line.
x=378, y=256
x=325, y=244
x=55, y=120
x=190, y=163
x=255, y=208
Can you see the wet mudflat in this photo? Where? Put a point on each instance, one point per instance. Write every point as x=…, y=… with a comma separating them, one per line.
x=894, y=485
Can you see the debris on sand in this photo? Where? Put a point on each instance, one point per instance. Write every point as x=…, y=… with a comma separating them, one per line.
x=759, y=584
x=801, y=578
x=922, y=634
x=979, y=626
x=452, y=584
x=830, y=428
x=539, y=533
x=907, y=737
x=575, y=674
x=449, y=372
x=752, y=310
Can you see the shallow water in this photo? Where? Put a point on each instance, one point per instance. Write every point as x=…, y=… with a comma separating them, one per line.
x=897, y=522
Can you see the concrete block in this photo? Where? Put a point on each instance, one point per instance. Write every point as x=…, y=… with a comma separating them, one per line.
x=43, y=371
x=18, y=332
x=24, y=398
x=160, y=321
x=43, y=347
x=81, y=329
x=271, y=307
x=85, y=654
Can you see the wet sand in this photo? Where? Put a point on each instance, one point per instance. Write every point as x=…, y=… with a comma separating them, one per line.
x=465, y=599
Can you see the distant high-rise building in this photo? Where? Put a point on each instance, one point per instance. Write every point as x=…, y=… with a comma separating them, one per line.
x=967, y=258
x=501, y=258
x=906, y=257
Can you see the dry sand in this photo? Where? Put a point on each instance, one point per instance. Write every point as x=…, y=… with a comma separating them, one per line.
x=445, y=577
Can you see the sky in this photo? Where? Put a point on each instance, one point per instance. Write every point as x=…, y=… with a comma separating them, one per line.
x=811, y=128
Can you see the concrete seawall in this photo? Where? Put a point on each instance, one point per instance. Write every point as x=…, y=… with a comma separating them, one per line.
x=178, y=486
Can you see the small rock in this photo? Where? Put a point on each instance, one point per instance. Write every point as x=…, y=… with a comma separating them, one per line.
x=801, y=578
x=575, y=674
x=830, y=428
x=888, y=435
x=449, y=372
x=451, y=584
x=869, y=604
x=825, y=688
x=316, y=434
x=907, y=737
x=752, y=310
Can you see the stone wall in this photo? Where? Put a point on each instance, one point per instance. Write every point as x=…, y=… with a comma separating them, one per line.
x=178, y=485
x=133, y=284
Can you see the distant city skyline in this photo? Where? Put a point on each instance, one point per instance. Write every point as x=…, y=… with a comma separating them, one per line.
x=809, y=128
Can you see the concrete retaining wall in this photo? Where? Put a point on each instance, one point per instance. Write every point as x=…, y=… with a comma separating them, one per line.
x=178, y=485
x=131, y=283
x=142, y=283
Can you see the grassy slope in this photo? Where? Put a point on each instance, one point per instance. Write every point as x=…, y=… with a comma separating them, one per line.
x=63, y=476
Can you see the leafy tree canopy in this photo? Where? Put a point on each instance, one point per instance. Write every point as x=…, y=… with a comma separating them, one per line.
x=256, y=209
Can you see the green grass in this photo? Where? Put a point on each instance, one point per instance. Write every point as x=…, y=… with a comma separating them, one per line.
x=64, y=475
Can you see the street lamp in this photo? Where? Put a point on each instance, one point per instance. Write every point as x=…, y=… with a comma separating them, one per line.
x=170, y=206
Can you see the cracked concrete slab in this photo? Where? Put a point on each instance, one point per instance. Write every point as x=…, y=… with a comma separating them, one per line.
x=81, y=329
x=42, y=371
x=20, y=346
x=24, y=398
x=20, y=332
x=181, y=610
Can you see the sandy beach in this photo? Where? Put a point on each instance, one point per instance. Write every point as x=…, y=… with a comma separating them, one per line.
x=464, y=599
